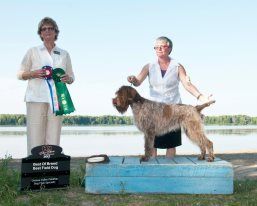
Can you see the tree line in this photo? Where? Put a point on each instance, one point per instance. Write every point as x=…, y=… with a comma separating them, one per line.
x=84, y=120
x=76, y=120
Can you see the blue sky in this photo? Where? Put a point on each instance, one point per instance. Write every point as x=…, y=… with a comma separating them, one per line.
x=108, y=40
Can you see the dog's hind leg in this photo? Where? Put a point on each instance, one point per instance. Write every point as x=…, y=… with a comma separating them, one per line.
x=205, y=143
x=149, y=145
x=197, y=136
x=209, y=146
x=203, y=152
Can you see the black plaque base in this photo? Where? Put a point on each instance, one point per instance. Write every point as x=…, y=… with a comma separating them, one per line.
x=46, y=168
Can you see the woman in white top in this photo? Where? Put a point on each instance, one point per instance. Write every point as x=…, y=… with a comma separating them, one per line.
x=164, y=76
x=43, y=127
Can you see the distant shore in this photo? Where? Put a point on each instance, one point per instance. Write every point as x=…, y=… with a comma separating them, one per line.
x=84, y=120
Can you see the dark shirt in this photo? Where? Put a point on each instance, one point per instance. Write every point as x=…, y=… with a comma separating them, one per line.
x=163, y=72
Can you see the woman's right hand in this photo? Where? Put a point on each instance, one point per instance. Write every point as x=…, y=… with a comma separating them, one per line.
x=39, y=73
x=132, y=79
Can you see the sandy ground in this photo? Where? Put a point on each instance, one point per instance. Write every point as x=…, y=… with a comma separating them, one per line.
x=244, y=164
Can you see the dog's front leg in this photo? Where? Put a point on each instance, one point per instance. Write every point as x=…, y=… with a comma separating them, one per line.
x=149, y=144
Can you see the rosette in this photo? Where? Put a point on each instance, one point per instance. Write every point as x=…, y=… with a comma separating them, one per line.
x=48, y=72
x=65, y=103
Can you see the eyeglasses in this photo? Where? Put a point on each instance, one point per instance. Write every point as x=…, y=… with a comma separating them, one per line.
x=161, y=47
x=47, y=28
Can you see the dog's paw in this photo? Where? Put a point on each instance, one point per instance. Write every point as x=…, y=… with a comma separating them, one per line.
x=201, y=157
x=210, y=159
x=144, y=159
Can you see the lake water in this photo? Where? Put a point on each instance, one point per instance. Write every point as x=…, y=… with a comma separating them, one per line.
x=127, y=140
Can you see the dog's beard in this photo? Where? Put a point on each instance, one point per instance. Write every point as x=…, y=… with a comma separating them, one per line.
x=121, y=109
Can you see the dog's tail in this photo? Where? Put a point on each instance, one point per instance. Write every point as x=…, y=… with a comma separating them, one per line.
x=199, y=108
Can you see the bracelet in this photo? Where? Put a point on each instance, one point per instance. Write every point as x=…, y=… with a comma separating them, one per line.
x=198, y=96
x=135, y=82
x=70, y=80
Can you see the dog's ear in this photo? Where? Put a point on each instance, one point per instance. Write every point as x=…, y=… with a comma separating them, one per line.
x=133, y=96
x=138, y=98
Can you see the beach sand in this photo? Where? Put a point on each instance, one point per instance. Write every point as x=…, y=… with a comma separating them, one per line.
x=244, y=164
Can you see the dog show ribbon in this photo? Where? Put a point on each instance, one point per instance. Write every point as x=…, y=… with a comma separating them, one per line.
x=51, y=85
x=60, y=99
x=65, y=103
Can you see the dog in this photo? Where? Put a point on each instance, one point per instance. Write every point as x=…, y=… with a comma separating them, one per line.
x=155, y=119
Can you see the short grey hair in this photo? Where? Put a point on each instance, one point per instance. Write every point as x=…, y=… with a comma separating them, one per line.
x=167, y=40
x=48, y=20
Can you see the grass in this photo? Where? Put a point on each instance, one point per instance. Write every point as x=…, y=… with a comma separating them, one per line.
x=245, y=193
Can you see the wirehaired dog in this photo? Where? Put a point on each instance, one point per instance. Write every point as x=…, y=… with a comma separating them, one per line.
x=154, y=119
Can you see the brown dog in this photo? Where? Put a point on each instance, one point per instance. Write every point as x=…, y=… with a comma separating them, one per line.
x=155, y=119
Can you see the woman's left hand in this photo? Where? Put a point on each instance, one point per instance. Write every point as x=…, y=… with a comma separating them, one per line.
x=66, y=79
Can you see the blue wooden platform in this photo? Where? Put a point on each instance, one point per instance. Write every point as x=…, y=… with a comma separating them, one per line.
x=179, y=175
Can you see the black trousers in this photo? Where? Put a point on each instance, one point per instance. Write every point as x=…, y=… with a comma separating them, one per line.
x=169, y=140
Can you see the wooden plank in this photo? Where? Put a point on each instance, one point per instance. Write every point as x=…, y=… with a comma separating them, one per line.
x=170, y=185
x=136, y=161
x=131, y=161
x=217, y=161
x=151, y=161
x=183, y=160
x=116, y=160
x=164, y=160
x=161, y=170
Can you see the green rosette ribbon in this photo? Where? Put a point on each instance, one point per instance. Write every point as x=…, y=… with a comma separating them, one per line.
x=65, y=103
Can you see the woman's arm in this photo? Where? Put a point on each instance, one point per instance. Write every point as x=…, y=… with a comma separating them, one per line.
x=68, y=77
x=25, y=72
x=136, y=81
x=185, y=80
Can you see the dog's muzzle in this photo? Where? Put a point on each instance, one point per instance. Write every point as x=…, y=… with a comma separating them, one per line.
x=114, y=102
